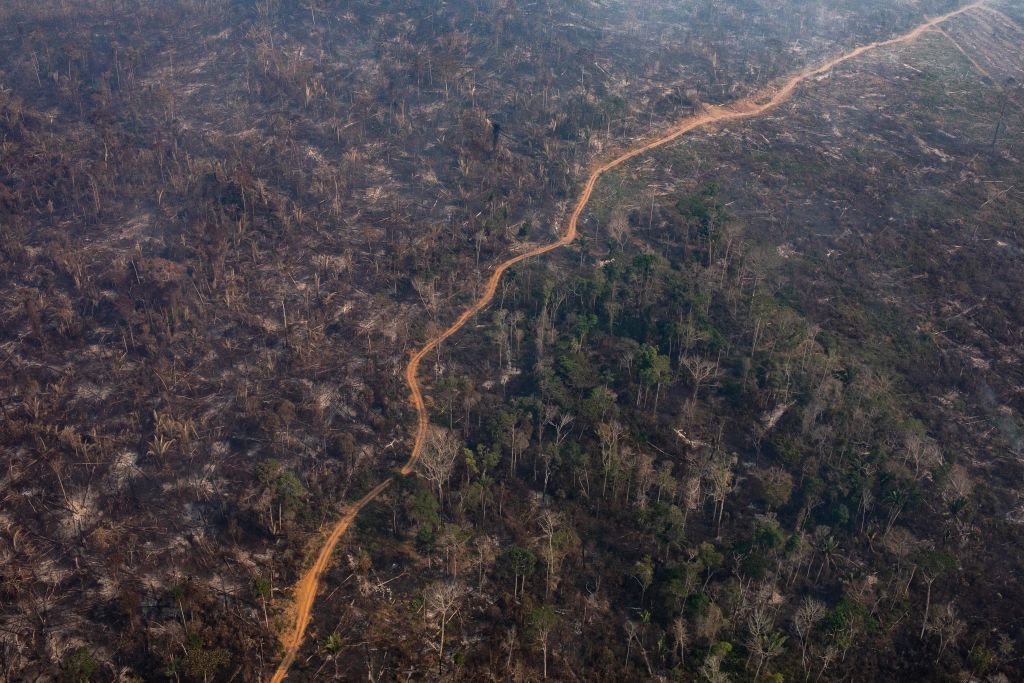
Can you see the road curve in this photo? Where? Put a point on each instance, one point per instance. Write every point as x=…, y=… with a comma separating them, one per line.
x=757, y=104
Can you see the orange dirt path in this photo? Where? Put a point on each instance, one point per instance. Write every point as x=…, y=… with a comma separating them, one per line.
x=306, y=589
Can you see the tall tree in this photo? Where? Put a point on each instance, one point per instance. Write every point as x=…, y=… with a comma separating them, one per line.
x=438, y=459
x=543, y=620
x=442, y=604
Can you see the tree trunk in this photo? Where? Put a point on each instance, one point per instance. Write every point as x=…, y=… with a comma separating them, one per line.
x=440, y=649
x=927, y=606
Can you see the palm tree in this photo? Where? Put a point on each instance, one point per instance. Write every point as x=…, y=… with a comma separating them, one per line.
x=768, y=646
x=829, y=549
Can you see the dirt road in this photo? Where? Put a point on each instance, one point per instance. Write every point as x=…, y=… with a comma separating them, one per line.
x=305, y=591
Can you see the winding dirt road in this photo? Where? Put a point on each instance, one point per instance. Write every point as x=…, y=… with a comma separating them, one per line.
x=306, y=589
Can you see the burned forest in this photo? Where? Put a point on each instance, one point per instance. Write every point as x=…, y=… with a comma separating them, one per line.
x=494, y=340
